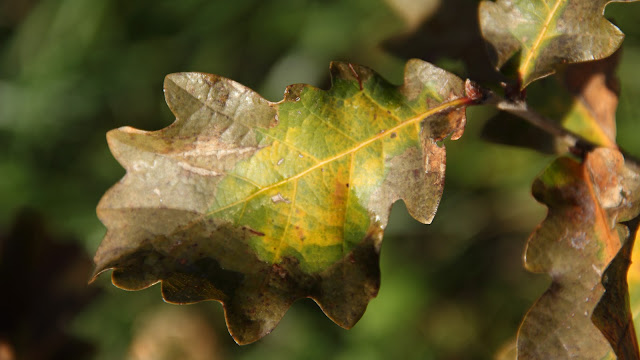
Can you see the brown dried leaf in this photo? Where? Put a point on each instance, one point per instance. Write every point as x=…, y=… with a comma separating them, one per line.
x=581, y=235
x=613, y=314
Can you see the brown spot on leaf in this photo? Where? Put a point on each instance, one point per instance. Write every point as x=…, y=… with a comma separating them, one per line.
x=255, y=232
x=279, y=270
x=277, y=198
x=356, y=75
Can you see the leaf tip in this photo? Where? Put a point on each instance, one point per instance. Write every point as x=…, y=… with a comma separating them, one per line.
x=96, y=273
x=170, y=78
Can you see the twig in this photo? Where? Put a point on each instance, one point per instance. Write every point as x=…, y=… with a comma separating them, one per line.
x=519, y=108
x=516, y=105
x=576, y=143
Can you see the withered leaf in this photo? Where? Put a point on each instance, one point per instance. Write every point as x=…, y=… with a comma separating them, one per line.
x=613, y=315
x=588, y=202
x=257, y=204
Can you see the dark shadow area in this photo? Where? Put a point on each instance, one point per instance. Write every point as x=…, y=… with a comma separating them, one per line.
x=44, y=285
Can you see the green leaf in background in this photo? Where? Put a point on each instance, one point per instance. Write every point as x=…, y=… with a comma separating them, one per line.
x=547, y=33
x=257, y=204
x=580, y=236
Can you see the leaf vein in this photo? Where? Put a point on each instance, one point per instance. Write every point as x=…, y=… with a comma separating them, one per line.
x=535, y=48
x=329, y=124
x=257, y=129
x=286, y=227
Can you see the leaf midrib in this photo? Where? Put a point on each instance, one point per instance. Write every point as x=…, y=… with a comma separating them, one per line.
x=413, y=120
x=536, y=44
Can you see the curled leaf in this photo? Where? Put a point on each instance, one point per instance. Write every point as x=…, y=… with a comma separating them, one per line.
x=257, y=204
x=613, y=315
x=577, y=241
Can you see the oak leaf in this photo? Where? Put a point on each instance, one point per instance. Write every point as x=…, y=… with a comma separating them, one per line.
x=257, y=204
x=588, y=203
x=547, y=33
x=614, y=315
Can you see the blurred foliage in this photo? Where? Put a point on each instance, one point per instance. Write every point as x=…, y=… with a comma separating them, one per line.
x=70, y=70
x=44, y=285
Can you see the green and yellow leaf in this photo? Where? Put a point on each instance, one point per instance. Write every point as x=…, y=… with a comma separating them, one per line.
x=588, y=202
x=547, y=33
x=257, y=204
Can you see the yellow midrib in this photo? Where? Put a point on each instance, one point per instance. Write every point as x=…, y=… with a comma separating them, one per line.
x=415, y=119
x=536, y=44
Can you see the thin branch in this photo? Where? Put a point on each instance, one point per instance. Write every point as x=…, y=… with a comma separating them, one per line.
x=520, y=109
x=517, y=106
x=576, y=143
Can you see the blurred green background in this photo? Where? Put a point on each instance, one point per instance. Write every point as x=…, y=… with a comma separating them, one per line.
x=70, y=70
